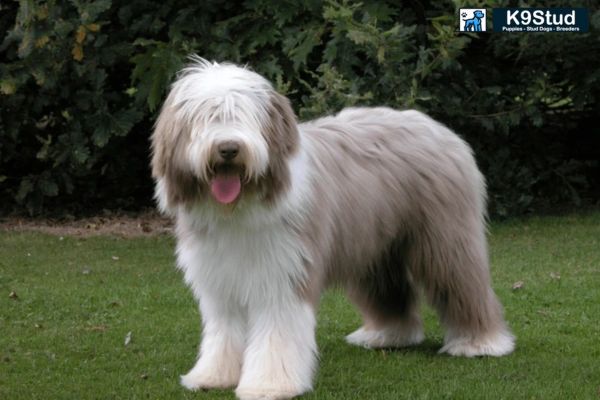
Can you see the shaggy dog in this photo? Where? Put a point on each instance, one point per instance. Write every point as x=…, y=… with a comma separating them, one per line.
x=269, y=213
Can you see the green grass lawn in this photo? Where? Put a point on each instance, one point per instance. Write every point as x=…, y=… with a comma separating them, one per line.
x=78, y=298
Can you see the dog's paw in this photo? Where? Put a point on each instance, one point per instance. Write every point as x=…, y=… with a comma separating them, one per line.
x=495, y=345
x=260, y=393
x=390, y=337
x=204, y=378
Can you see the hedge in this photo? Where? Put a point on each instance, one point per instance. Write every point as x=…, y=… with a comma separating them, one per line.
x=81, y=82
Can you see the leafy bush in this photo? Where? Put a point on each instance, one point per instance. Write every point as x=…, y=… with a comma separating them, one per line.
x=81, y=81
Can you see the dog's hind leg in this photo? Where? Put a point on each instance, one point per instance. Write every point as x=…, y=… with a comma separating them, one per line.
x=451, y=262
x=388, y=302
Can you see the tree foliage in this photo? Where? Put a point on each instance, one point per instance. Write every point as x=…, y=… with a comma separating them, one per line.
x=81, y=82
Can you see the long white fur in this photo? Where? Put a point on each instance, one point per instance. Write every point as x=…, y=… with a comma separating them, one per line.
x=233, y=106
x=245, y=271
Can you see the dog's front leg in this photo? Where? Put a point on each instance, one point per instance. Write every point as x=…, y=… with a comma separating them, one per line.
x=220, y=359
x=281, y=351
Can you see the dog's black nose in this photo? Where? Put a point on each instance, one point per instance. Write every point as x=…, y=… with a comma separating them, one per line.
x=228, y=150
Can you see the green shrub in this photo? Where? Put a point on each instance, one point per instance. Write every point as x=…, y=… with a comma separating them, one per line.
x=81, y=82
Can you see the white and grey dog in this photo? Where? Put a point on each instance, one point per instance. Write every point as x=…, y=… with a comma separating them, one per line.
x=270, y=212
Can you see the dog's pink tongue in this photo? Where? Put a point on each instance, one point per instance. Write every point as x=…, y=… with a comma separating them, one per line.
x=226, y=188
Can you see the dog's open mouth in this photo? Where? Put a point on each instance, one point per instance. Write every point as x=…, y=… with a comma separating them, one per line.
x=226, y=188
x=226, y=184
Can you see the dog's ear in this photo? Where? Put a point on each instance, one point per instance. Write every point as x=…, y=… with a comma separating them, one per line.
x=163, y=139
x=281, y=134
x=162, y=144
x=282, y=128
x=174, y=183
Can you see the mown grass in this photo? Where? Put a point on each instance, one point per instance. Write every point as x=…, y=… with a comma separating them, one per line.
x=63, y=337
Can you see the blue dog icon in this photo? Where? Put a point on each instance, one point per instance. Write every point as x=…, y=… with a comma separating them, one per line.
x=474, y=24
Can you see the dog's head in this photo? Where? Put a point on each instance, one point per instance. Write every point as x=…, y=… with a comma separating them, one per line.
x=223, y=133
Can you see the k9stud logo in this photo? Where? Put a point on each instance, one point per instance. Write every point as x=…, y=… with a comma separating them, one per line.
x=541, y=20
x=472, y=19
